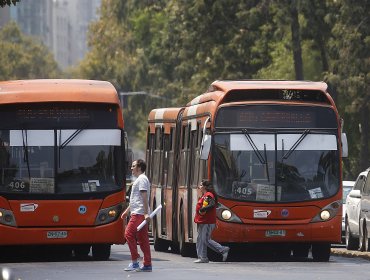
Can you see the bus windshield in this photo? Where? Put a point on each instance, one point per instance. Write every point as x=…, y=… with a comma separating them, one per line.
x=54, y=162
x=276, y=167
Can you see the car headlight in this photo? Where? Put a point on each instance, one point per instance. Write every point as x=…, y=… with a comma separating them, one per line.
x=225, y=214
x=328, y=212
x=108, y=215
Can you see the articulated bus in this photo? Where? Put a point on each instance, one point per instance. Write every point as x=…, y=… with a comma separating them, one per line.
x=273, y=151
x=62, y=166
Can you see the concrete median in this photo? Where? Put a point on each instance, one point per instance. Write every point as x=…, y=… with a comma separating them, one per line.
x=350, y=253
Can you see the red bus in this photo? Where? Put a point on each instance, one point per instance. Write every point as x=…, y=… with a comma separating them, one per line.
x=273, y=151
x=62, y=165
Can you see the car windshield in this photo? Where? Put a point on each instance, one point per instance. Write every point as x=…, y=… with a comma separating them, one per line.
x=346, y=191
x=276, y=167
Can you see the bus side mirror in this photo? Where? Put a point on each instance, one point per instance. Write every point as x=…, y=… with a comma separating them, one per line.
x=205, y=147
x=206, y=142
x=344, y=145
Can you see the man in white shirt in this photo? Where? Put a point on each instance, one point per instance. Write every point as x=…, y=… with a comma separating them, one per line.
x=139, y=209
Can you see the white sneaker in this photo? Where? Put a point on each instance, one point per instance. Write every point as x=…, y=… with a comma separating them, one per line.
x=201, y=261
x=225, y=254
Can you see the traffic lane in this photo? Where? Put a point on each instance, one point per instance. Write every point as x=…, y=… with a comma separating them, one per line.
x=173, y=266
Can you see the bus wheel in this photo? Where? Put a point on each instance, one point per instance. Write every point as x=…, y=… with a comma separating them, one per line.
x=301, y=250
x=283, y=252
x=351, y=242
x=81, y=251
x=183, y=247
x=160, y=245
x=321, y=252
x=101, y=252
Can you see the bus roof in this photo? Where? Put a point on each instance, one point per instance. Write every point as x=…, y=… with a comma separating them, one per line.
x=57, y=90
x=268, y=84
x=219, y=89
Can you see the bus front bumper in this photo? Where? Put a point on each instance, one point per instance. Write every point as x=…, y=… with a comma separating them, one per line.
x=329, y=231
x=112, y=233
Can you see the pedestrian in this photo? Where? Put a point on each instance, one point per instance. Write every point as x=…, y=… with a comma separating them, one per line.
x=139, y=209
x=205, y=217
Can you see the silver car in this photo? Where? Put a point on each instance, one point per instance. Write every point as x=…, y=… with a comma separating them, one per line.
x=347, y=187
x=355, y=222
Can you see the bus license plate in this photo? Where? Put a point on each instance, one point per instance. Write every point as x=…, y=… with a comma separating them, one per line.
x=275, y=232
x=57, y=234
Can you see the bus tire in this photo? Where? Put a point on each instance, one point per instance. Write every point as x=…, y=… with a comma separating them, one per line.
x=321, y=252
x=160, y=245
x=101, y=252
x=301, y=251
x=183, y=247
x=352, y=243
x=81, y=251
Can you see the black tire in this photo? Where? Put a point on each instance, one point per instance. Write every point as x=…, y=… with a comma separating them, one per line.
x=101, y=252
x=283, y=252
x=352, y=243
x=366, y=239
x=301, y=251
x=363, y=239
x=184, y=248
x=160, y=245
x=321, y=252
x=81, y=251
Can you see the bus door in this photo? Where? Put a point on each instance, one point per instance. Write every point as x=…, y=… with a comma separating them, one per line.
x=189, y=180
x=163, y=181
x=175, y=175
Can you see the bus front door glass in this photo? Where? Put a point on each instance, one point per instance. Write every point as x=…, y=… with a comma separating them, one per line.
x=277, y=169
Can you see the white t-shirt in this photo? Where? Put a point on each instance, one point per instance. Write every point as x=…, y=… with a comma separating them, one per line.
x=136, y=200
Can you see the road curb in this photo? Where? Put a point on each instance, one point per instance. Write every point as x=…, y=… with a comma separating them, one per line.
x=350, y=253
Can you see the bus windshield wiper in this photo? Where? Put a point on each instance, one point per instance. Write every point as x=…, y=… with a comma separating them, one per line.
x=25, y=151
x=69, y=139
x=296, y=144
x=254, y=147
x=262, y=159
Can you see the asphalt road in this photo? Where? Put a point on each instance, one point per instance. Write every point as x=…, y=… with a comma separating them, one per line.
x=173, y=266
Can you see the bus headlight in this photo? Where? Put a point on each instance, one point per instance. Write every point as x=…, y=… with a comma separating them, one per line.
x=7, y=217
x=225, y=214
x=328, y=212
x=325, y=215
x=108, y=215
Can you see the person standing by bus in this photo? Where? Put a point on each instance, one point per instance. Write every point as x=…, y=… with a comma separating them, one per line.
x=205, y=217
x=139, y=209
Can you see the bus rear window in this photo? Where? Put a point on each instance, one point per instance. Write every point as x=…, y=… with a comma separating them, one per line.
x=272, y=116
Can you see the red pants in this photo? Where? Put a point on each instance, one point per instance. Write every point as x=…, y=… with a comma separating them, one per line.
x=140, y=237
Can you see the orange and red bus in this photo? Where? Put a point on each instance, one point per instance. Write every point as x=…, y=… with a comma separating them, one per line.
x=273, y=151
x=62, y=165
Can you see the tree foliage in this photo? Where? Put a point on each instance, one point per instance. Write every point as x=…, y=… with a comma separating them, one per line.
x=8, y=2
x=175, y=48
x=22, y=57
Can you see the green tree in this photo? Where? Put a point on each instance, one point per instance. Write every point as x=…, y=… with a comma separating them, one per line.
x=175, y=48
x=350, y=73
x=8, y=2
x=22, y=57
